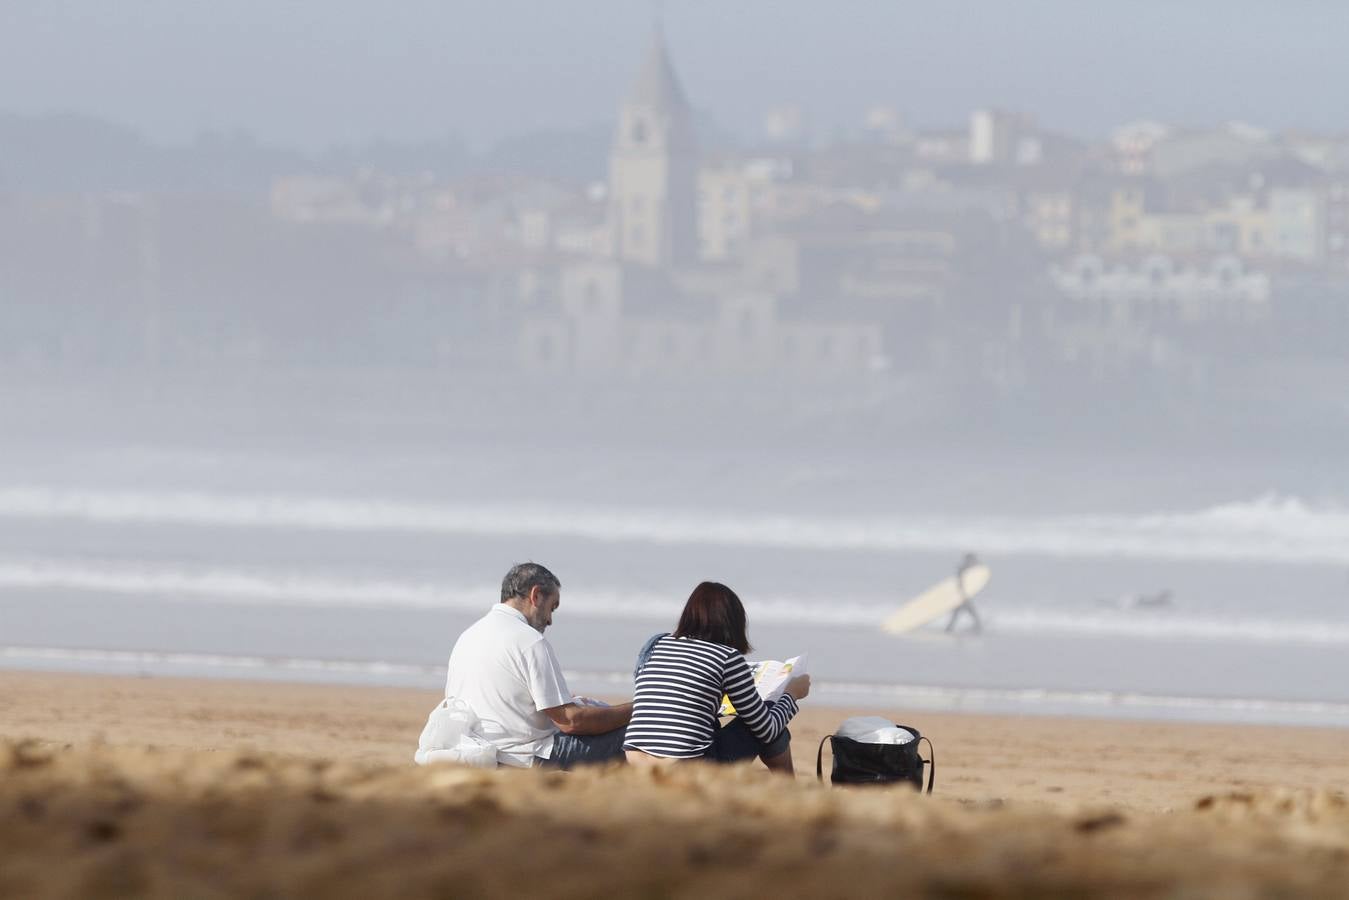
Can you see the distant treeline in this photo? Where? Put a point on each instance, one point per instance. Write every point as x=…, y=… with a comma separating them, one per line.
x=63, y=153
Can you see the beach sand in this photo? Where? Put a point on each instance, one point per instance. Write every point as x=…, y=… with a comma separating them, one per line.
x=122, y=786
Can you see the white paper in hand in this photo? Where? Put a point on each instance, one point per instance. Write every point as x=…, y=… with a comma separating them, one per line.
x=770, y=679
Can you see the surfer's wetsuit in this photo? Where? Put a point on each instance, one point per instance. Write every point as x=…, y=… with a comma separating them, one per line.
x=966, y=564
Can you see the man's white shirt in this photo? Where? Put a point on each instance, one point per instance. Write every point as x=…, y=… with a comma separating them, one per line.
x=508, y=673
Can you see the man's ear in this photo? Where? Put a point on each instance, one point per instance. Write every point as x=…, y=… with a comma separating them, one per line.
x=534, y=595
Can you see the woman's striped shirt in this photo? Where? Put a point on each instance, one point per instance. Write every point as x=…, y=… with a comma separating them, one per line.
x=678, y=693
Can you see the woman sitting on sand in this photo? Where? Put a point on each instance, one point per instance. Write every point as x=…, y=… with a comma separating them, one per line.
x=681, y=681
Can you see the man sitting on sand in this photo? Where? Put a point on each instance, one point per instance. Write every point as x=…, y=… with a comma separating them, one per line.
x=506, y=671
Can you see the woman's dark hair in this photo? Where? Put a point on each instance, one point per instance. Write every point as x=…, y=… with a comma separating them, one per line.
x=714, y=613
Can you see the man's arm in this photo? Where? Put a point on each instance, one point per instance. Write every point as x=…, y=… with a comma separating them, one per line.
x=571, y=718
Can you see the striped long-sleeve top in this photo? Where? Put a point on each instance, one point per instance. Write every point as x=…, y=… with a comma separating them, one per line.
x=678, y=693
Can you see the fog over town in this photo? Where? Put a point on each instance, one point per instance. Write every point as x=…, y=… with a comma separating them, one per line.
x=818, y=299
x=1001, y=269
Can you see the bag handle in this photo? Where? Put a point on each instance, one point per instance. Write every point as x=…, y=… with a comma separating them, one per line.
x=819, y=758
x=931, y=761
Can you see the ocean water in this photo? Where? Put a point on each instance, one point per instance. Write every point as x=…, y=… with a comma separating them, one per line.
x=363, y=569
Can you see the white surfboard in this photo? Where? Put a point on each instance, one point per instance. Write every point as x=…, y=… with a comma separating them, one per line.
x=936, y=601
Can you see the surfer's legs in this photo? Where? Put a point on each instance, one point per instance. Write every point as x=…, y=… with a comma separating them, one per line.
x=968, y=607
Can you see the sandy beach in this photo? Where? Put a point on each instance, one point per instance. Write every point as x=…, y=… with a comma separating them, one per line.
x=115, y=786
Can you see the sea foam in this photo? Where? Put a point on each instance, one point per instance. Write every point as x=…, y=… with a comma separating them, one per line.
x=175, y=583
x=1271, y=528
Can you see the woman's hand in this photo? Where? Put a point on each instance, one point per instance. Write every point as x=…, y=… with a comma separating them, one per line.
x=799, y=687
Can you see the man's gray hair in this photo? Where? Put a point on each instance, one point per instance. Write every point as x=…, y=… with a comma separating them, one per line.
x=521, y=579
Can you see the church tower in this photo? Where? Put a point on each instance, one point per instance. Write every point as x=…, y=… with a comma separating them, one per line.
x=653, y=169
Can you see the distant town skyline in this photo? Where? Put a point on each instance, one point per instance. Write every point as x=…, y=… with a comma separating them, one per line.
x=313, y=75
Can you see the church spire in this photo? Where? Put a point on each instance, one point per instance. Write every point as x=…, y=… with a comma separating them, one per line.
x=657, y=87
x=653, y=170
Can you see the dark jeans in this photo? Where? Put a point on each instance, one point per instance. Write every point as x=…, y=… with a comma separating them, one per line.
x=734, y=742
x=585, y=749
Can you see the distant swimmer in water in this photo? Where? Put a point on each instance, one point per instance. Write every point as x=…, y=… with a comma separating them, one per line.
x=1154, y=601
x=1160, y=600
x=968, y=562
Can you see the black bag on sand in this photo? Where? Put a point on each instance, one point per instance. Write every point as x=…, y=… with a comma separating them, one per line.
x=856, y=762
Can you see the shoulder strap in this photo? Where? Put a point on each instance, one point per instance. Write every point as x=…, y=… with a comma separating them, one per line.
x=931, y=761
x=819, y=758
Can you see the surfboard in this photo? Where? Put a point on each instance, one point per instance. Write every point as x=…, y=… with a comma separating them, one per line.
x=936, y=601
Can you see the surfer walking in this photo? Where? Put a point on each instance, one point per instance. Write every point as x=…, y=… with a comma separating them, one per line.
x=969, y=561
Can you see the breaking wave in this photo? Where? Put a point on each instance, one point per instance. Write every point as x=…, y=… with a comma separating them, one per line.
x=1271, y=528
x=174, y=583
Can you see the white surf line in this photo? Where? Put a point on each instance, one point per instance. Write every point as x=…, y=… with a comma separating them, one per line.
x=178, y=584
x=1264, y=530
x=161, y=659
x=1171, y=626
x=981, y=698
x=838, y=693
x=253, y=587
x=149, y=658
x=240, y=586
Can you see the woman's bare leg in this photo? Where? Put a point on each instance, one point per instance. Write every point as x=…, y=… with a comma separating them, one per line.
x=782, y=763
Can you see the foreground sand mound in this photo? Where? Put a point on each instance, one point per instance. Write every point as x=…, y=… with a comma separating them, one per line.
x=111, y=822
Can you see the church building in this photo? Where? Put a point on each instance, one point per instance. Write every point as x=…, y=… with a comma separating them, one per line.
x=653, y=169
x=649, y=306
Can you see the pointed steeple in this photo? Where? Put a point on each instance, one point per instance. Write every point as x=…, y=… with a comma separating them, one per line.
x=657, y=87
x=653, y=169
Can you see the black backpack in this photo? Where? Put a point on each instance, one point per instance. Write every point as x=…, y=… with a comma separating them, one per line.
x=859, y=763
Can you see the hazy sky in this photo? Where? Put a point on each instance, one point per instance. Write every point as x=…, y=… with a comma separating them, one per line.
x=312, y=73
